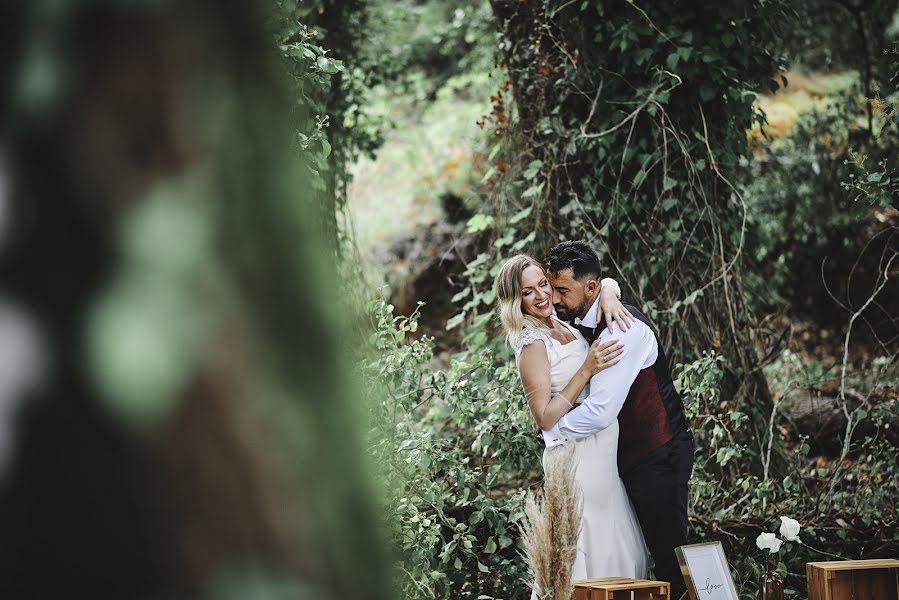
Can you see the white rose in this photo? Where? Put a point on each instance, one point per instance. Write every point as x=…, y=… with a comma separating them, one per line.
x=789, y=529
x=769, y=542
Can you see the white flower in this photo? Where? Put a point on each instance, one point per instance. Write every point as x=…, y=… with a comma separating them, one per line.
x=789, y=529
x=769, y=542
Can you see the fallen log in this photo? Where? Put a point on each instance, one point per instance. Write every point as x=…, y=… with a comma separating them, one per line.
x=820, y=417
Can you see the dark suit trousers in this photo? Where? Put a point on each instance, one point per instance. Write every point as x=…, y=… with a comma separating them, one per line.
x=658, y=490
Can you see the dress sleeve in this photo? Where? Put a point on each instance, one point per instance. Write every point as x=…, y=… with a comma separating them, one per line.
x=528, y=337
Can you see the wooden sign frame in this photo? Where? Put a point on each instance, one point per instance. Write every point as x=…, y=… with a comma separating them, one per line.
x=708, y=559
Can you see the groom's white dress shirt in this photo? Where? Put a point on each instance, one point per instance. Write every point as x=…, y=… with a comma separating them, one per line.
x=608, y=388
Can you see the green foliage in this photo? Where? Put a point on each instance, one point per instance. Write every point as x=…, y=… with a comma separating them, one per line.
x=837, y=513
x=794, y=196
x=874, y=178
x=415, y=47
x=457, y=457
x=308, y=69
x=456, y=454
x=808, y=192
x=404, y=47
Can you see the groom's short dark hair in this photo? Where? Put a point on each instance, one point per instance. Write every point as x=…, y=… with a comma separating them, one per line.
x=576, y=255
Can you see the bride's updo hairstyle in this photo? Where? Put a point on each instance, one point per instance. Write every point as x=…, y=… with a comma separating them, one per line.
x=508, y=295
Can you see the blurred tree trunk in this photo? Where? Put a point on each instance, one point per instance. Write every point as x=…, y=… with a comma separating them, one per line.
x=194, y=435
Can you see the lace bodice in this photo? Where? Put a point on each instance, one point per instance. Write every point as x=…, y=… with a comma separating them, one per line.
x=564, y=359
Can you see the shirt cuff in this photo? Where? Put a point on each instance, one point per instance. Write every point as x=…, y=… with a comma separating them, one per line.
x=554, y=437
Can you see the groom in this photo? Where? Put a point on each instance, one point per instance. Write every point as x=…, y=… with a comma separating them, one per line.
x=655, y=445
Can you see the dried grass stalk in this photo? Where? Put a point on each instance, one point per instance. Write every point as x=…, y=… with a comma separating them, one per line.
x=551, y=526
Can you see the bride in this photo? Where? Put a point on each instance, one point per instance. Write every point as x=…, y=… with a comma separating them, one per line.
x=556, y=364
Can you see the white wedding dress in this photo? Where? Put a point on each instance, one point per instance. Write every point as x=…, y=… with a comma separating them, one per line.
x=610, y=543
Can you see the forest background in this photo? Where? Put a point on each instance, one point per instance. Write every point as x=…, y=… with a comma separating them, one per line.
x=247, y=251
x=734, y=164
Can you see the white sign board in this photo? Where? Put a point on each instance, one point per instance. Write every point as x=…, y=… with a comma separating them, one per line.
x=705, y=570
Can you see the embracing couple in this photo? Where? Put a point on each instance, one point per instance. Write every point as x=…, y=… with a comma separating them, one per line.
x=610, y=394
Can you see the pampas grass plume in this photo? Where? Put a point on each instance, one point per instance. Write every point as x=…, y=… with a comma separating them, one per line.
x=551, y=526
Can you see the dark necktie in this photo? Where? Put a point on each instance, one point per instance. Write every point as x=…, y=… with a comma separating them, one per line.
x=589, y=333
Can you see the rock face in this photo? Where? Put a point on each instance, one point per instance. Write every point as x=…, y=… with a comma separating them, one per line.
x=427, y=265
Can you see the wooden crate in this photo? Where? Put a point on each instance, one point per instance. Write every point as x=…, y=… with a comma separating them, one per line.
x=853, y=580
x=620, y=588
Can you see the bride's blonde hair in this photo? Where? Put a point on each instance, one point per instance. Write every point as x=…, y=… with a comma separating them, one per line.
x=508, y=294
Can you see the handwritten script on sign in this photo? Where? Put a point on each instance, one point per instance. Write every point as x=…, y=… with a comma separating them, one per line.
x=711, y=587
x=709, y=572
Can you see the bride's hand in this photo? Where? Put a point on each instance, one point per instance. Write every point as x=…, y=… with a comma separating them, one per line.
x=602, y=356
x=613, y=310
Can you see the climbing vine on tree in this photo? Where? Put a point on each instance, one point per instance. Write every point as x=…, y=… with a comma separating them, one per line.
x=629, y=127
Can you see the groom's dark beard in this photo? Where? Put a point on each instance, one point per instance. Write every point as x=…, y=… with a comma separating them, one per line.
x=567, y=314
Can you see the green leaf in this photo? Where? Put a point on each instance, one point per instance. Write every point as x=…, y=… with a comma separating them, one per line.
x=672, y=60
x=455, y=321
x=504, y=240
x=533, y=169
x=461, y=295
x=522, y=214
x=482, y=568
x=639, y=177
x=691, y=298
x=524, y=241
x=478, y=223
x=490, y=546
x=728, y=39
x=643, y=55
x=532, y=191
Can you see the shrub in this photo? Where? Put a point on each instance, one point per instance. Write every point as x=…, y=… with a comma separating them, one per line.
x=457, y=455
